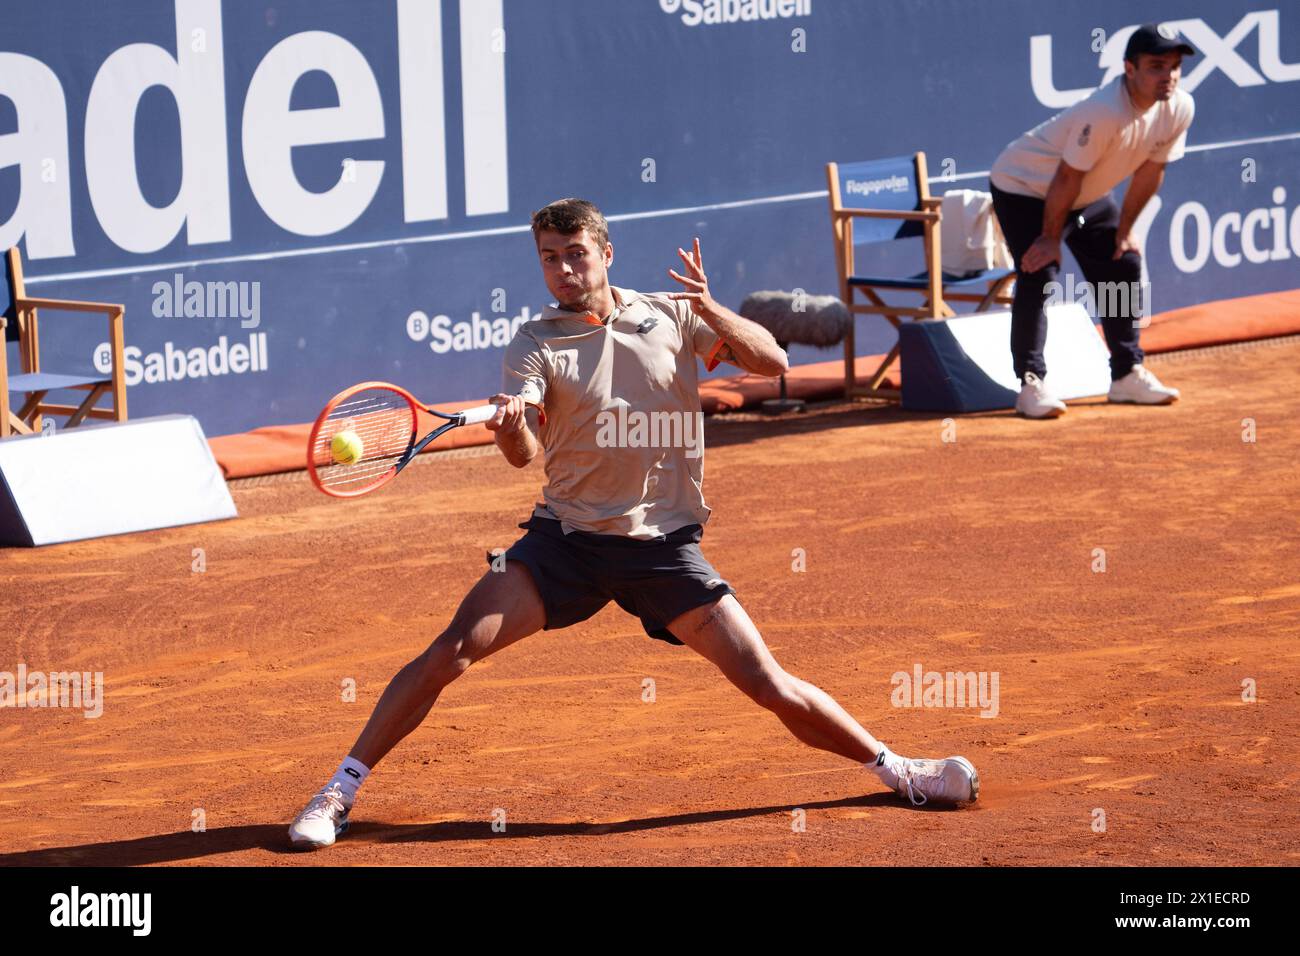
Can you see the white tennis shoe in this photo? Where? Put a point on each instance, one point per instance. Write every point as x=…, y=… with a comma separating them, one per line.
x=1141, y=387
x=323, y=819
x=1035, y=401
x=949, y=781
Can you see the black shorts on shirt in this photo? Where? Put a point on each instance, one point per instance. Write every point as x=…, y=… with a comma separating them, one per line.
x=578, y=573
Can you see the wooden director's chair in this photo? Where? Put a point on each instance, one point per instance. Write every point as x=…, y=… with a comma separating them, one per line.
x=35, y=384
x=881, y=201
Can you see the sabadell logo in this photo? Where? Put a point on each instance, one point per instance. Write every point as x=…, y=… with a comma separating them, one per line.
x=721, y=12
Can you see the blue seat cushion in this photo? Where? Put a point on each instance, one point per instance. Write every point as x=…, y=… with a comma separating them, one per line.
x=921, y=280
x=48, y=381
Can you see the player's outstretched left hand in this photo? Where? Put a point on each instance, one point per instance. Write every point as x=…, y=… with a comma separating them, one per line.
x=695, y=281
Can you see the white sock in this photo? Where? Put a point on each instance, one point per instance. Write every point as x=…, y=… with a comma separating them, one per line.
x=350, y=776
x=882, y=765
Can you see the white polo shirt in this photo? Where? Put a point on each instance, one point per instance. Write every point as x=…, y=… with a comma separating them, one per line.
x=1104, y=136
x=624, y=435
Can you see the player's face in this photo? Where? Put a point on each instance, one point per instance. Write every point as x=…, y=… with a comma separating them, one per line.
x=575, y=267
x=1155, y=76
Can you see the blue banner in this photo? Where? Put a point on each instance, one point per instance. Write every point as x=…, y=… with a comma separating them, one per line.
x=294, y=196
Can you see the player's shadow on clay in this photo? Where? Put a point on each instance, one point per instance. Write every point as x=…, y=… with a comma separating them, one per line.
x=482, y=830
x=181, y=847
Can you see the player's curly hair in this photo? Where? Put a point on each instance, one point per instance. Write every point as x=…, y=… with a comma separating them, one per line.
x=567, y=216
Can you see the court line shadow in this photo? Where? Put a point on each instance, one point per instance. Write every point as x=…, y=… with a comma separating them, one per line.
x=719, y=432
x=821, y=416
x=181, y=847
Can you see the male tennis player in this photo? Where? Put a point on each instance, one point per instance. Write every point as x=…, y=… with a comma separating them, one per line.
x=622, y=512
x=1053, y=184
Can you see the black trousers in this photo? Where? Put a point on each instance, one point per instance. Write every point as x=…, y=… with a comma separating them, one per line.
x=1089, y=233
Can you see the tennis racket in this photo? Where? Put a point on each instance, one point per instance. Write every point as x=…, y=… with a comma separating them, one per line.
x=370, y=432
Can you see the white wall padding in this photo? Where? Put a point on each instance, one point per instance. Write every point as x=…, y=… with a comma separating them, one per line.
x=97, y=480
x=964, y=364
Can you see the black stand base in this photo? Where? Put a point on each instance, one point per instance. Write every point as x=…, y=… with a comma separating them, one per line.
x=779, y=406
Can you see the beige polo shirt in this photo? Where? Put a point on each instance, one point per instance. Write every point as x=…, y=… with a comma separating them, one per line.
x=1105, y=136
x=624, y=433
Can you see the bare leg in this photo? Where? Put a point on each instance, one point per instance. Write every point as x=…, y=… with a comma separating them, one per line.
x=501, y=608
x=723, y=633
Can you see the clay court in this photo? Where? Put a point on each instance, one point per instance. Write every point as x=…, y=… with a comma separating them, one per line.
x=1120, y=691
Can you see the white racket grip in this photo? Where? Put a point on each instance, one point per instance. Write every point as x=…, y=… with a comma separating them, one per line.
x=483, y=413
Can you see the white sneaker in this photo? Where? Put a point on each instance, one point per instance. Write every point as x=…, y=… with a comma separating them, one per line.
x=1141, y=387
x=949, y=781
x=1035, y=401
x=325, y=818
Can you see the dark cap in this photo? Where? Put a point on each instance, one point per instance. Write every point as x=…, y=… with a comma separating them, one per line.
x=1150, y=38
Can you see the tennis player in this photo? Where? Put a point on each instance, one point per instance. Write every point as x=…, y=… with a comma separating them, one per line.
x=1053, y=185
x=622, y=512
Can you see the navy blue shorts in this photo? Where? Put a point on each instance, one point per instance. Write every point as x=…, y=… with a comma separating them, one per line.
x=578, y=573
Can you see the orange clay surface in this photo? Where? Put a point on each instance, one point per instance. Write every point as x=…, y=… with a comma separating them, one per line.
x=1120, y=692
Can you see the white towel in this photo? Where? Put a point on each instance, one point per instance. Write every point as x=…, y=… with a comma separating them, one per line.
x=970, y=237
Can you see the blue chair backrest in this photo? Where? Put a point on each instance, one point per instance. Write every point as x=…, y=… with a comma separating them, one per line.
x=881, y=184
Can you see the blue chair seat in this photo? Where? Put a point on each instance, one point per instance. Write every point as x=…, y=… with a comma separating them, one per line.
x=921, y=281
x=49, y=381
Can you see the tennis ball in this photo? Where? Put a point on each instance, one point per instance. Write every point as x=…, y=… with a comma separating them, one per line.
x=347, y=447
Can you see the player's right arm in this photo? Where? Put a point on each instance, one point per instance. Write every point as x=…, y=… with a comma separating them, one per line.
x=515, y=429
x=524, y=381
x=1061, y=194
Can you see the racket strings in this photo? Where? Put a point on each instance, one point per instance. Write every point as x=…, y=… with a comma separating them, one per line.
x=383, y=422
